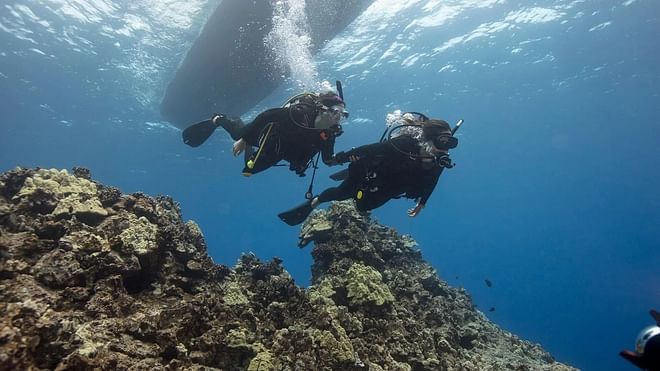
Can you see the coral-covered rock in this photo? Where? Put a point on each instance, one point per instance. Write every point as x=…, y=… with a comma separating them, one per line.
x=94, y=279
x=70, y=195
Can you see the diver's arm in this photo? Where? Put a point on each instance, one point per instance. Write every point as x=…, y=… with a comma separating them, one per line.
x=400, y=146
x=415, y=210
x=328, y=150
x=368, y=150
x=430, y=182
x=403, y=145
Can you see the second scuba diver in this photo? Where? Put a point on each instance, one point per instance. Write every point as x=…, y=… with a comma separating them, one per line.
x=406, y=165
x=306, y=125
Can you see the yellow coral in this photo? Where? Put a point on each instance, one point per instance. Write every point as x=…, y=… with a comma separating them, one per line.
x=76, y=195
x=194, y=228
x=79, y=203
x=237, y=338
x=365, y=285
x=140, y=235
x=233, y=294
x=59, y=182
x=86, y=241
x=262, y=362
x=322, y=292
x=341, y=349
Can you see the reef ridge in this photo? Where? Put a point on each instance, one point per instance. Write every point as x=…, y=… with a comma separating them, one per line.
x=91, y=278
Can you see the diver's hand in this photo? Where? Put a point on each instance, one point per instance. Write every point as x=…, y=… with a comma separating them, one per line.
x=238, y=147
x=332, y=161
x=340, y=157
x=343, y=157
x=415, y=210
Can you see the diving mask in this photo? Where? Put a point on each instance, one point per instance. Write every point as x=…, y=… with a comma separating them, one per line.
x=445, y=142
x=339, y=110
x=330, y=116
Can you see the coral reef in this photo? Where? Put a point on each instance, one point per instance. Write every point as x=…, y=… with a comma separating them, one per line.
x=91, y=278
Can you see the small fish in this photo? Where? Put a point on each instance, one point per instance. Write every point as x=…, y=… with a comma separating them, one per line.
x=488, y=283
x=492, y=309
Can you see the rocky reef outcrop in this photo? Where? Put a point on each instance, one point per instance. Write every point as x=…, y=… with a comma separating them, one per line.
x=91, y=278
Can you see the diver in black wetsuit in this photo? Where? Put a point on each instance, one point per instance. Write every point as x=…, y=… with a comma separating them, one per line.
x=399, y=167
x=306, y=125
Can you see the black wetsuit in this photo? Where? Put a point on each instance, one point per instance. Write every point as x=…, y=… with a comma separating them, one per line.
x=384, y=171
x=291, y=137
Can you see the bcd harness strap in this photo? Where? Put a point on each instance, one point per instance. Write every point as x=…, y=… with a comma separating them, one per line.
x=264, y=138
x=251, y=163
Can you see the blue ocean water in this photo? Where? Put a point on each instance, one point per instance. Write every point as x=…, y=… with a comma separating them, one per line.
x=554, y=198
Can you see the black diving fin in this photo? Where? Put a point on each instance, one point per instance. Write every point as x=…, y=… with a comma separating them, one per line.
x=298, y=214
x=340, y=175
x=198, y=133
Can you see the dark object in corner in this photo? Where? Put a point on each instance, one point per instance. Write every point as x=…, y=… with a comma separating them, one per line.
x=647, y=347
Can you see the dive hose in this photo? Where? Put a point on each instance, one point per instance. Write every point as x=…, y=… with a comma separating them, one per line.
x=250, y=164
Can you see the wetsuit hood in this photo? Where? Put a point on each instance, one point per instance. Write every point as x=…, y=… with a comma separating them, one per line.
x=435, y=128
x=331, y=99
x=439, y=132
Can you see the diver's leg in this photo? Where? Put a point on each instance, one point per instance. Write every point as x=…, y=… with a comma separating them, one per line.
x=299, y=213
x=348, y=187
x=340, y=193
x=267, y=158
x=370, y=201
x=373, y=199
x=234, y=126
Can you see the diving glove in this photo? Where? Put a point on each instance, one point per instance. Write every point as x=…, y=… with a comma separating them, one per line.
x=343, y=157
x=238, y=147
x=340, y=157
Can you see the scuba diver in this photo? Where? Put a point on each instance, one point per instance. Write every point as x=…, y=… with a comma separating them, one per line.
x=647, y=347
x=307, y=124
x=407, y=164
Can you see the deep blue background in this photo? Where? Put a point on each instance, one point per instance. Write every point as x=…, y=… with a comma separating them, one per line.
x=554, y=199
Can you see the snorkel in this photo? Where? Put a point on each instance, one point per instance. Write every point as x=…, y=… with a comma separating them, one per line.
x=458, y=126
x=340, y=90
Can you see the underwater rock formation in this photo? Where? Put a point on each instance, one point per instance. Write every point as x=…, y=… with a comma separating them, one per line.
x=91, y=278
